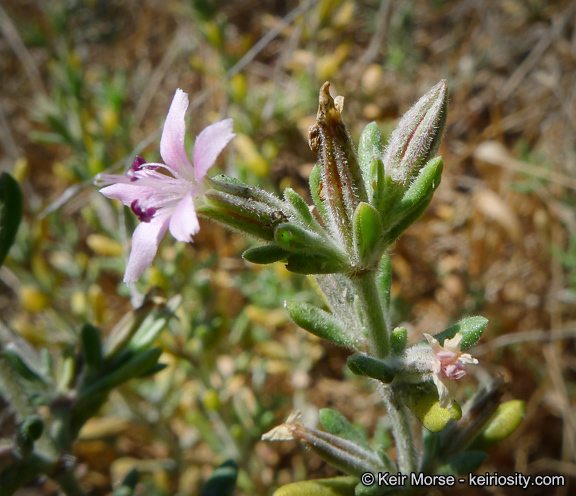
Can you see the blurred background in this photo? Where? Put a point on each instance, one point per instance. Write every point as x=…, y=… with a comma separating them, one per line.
x=86, y=85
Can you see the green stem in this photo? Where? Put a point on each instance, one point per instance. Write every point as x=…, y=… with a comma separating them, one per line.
x=69, y=483
x=20, y=472
x=372, y=314
x=398, y=414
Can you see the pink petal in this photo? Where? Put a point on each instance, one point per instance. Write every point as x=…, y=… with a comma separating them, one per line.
x=184, y=222
x=172, y=142
x=209, y=143
x=145, y=242
x=127, y=193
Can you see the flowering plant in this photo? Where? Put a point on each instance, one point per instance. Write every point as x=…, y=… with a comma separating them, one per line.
x=363, y=200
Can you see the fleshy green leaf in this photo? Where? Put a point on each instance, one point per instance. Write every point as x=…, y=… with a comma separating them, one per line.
x=391, y=236
x=368, y=232
x=235, y=188
x=471, y=329
x=30, y=429
x=223, y=481
x=504, y=422
x=320, y=323
x=265, y=254
x=301, y=263
x=300, y=206
x=370, y=145
x=398, y=339
x=241, y=214
x=337, y=424
x=20, y=366
x=10, y=212
x=369, y=151
x=139, y=364
x=371, y=367
x=414, y=201
x=379, y=187
x=154, y=323
x=295, y=239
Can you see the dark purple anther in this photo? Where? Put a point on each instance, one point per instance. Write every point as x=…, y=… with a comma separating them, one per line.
x=144, y=215
x=136, y=166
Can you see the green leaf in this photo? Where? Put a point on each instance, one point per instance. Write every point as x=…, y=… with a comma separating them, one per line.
x=371, y=367
x=337, y=486
x=393, y=234
x=223, y=481
x=10, y=212
x=379, y=186
x=246, y=215
x=300, y=206
x=154, y=323
x=228, y=184
x=159, y=367
x=370, y=155
x=20, y=366
x=265, y=254
x=293, y=238
x=30, y=429
x=139, y=328
x=139, y=364
x=369, y=150
x=301, y=263
x=337, y=424
x=320, y=323
x=505, y=421
x=471, y=329
x=398, y=339
x=236, y=188
x=368, y=232
x=415, y=200
x=237, y=223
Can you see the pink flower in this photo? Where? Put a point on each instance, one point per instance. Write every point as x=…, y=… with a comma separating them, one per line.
x=448, y=367
x=162, y=201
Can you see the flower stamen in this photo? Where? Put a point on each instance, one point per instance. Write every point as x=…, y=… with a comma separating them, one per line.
x=143, y=214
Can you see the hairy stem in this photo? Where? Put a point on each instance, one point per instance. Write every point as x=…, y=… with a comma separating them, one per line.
x=398, y=414
x=372, y=314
